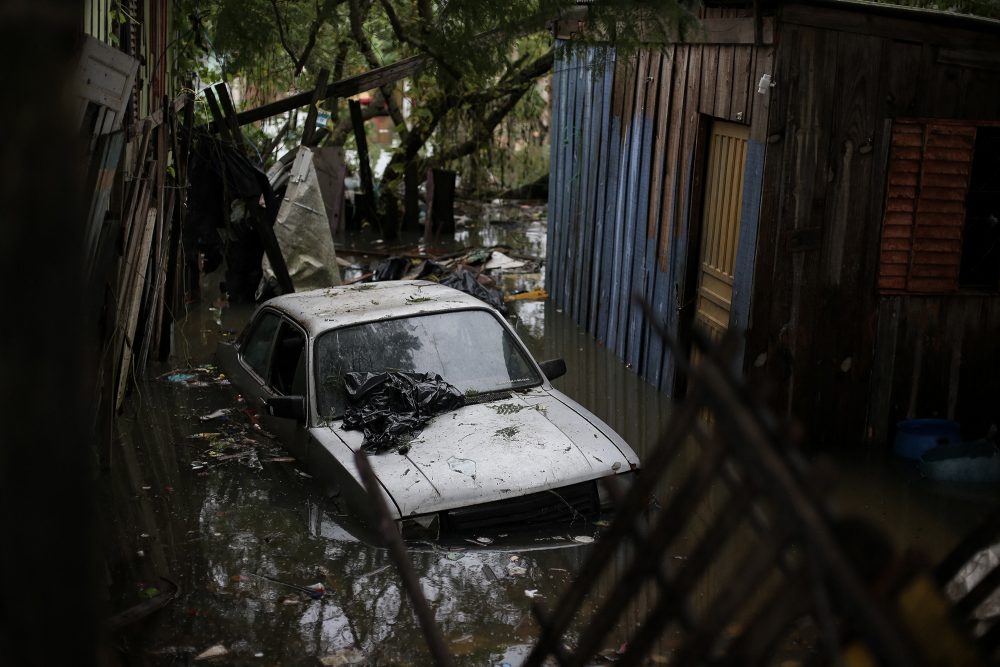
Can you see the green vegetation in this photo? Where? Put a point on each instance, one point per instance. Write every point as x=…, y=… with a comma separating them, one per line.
x=479, y=106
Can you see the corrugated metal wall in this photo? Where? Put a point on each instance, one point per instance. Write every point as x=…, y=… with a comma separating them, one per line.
x=622, y=184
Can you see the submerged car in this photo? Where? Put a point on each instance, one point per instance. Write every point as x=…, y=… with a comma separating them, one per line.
x=518, y=453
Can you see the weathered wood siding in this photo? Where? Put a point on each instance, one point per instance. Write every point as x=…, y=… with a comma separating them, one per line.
x=147, y=34
x=842, y=77
x=622, y=186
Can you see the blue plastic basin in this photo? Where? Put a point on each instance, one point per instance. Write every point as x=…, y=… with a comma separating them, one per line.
x=916, y=436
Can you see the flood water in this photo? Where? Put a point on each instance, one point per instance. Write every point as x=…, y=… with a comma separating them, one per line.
x=209, y=503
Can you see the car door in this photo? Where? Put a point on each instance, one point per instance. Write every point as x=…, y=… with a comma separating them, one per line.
x=286, y=376
x=270, y=362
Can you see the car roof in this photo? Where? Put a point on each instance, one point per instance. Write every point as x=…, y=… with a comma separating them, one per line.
x=329, y=308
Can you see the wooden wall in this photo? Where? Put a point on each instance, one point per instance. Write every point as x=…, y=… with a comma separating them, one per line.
x=817, y=319
x=622, y=186
x=148, y=35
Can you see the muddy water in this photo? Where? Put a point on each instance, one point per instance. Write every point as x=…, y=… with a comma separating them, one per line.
x=211, y=504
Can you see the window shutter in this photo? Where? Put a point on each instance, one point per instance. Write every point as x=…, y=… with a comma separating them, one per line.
x=928, y=180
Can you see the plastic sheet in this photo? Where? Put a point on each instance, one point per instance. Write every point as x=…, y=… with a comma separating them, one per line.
x=392, y=268
x=388, y=406
x=467, y=282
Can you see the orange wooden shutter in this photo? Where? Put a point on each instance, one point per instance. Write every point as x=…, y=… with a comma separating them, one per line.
x=929, y=168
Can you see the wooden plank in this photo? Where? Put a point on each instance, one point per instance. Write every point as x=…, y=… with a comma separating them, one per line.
x=919, y=26
x=849, y=254
x=220, y=121
x=665, y=289
x=727, y=30
x=761, y=102
x=654, y=346
x=988, y=60
x=622, y=243
x=742, y=81
x=807, y=193
x=353, y=85
x=710, y=76
x=132, y=299
x=683, y=222
x=319, y=93
x=105, y=76
x=724, y=81
x=798, y=109
x=712, y=30
x=229, y=113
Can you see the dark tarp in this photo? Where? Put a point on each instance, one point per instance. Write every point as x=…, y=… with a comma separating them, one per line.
x=467, y=282
x=220, y=175
x=388, y=406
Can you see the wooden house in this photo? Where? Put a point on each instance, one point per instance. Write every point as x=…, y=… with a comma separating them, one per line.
x=822, y=177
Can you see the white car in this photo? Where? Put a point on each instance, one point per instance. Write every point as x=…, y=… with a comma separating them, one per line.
x=518, y=453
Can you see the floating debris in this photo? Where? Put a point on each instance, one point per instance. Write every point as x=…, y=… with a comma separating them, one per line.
x=212, y=652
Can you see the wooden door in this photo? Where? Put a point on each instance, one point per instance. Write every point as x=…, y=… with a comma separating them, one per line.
x=720, y=226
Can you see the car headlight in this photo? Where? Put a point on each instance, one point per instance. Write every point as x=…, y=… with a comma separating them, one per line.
x=424, y=527
x=623, y=481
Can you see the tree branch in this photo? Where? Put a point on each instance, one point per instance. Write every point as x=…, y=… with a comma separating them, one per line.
x=322, y=13
x=358, y=14
x=282, y=38
x=397, y=29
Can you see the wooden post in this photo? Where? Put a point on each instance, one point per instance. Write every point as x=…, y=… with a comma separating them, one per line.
x=440, y=217
x=229, y=112
x=220, y=121
x=309, y=131
x=411, y=197
x=367, y=181
x=179, y=146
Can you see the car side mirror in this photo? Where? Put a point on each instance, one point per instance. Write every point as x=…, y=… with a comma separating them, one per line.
x=287, y=407
x=553, y=368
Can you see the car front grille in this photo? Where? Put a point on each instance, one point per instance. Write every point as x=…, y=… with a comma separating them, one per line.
x=554, y=506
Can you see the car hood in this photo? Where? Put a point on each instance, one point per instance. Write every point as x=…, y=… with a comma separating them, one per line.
x=492, y=451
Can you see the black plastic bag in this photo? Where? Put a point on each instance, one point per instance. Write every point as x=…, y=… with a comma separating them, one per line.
x=387, y=406
x=467, y=282
x=392, y=268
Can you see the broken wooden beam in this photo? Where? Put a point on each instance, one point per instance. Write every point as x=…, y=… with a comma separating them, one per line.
x=338, y=89
x=229, y=114
x=309, y=131
x=219, y=125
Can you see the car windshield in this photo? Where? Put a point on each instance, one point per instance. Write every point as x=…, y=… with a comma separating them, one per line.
x=470, y=349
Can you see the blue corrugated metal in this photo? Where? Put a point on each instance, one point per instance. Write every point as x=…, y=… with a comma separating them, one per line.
x=602, y=93
x=620, y=195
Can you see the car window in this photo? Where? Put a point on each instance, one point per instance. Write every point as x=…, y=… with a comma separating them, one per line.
x=288, y=365
x=257, y=349
x=470, y=349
